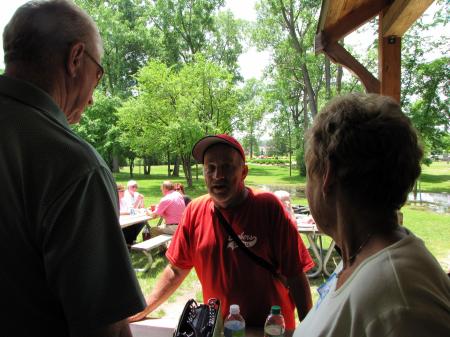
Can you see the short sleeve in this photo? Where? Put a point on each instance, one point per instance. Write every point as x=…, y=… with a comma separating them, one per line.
x=85, y=256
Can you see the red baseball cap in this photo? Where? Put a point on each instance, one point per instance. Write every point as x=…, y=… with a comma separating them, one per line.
x=199, y=149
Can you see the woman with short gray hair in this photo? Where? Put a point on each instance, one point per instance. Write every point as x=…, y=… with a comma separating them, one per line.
x=363, y=158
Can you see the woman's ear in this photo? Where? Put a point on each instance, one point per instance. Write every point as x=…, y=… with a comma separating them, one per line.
x=328, y=180
x=73, y=61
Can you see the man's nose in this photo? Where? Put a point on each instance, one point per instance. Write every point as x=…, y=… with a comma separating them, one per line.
x=218, y=173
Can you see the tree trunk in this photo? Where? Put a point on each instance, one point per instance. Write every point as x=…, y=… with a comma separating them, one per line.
x=186, y=160
x=131, y=167
x=147, y=166
x=339, y=74
x=176, y=167
x=115, y=163
x=305, y=112
x=309, y=90
x=339, y=79
x=169, y=170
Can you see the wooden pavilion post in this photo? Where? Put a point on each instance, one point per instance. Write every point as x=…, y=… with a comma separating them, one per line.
x=389, y=62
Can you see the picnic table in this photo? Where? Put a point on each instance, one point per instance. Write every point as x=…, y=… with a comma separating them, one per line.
x=307, y=226
x=128, y=220
x=165, y=328
x=145, y=246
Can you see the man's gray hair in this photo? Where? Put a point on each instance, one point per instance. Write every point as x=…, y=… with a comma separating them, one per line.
x=40, y=33
x=168, y=185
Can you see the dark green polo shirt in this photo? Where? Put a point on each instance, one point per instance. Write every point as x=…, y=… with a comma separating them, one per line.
x=64, y=263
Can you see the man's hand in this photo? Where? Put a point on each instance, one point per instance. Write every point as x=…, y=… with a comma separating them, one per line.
x=169, y=281
x=140, y=315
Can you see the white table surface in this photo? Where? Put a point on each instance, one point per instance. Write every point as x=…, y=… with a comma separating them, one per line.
x=306, y=226
x=128, y=220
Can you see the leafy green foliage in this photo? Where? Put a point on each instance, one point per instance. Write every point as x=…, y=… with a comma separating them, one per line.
x=430, y=110
x=252, y=108
x=184, y=26
x=98, y=126
x=269, y=161
x=128, y=42
x=426, y=83
x=174, y=108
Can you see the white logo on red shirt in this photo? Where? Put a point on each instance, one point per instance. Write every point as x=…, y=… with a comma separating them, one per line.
x=248, y=240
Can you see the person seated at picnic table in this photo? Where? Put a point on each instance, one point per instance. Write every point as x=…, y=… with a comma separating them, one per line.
x=125, y=205
x=132, y=198
x=180, y=188
x=285, y=198
x=363, y=158
x=170, y=208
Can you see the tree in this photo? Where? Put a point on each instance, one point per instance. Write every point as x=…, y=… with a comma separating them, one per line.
x=252, y=108
x=297, y=21
x=98, y=127
x=174, y=108
x=425, y=82
x=225, y=42
x=184, y=26
x=429, y=109
x=128, y=42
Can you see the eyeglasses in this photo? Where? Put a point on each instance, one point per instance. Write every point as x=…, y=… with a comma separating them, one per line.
x=134, y=186
x=101, y=71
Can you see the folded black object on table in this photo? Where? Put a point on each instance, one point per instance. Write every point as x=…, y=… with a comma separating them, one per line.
x=299, y=209
x=199, y=320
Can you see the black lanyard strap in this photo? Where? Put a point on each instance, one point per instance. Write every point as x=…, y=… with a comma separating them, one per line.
x=258, y=259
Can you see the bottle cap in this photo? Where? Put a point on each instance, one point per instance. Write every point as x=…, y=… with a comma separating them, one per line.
x=275, y=310
x=234, y=309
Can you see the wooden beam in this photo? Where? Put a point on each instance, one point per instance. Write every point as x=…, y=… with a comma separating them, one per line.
x=340, y=55
x=401, y=15
x=351, y=21
x=389, y=63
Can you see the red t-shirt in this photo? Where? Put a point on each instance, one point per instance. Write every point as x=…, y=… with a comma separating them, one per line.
x=227, y=273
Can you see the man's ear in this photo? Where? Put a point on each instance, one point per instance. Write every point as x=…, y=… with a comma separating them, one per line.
x=73, y=61
x=244, y=171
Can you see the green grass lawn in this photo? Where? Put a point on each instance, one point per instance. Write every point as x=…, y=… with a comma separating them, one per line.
x=436, y=177
x=433, y=228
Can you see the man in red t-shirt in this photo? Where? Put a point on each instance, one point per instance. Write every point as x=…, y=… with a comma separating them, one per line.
x=224, y=270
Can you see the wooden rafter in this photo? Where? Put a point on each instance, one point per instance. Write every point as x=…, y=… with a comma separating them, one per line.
x=339, y=18
x=340, y=55
x=401, y=15
x=348, y=22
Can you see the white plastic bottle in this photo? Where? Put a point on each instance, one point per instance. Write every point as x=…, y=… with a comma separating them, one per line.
x=234, y=324
x=274, y=326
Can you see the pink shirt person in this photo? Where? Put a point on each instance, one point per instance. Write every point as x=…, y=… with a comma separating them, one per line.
x=171, y=207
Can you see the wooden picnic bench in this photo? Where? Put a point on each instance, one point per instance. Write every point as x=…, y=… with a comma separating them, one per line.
x=147, y=246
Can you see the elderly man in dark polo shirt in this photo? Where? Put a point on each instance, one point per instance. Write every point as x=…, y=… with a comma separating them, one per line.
x=65, y=266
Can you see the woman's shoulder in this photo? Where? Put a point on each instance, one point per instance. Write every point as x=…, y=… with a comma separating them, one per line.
x=398, y=275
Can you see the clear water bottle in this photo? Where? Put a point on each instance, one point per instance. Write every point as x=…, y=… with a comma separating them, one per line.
x=274, y=326
x=146, y=233
x=234, y=324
